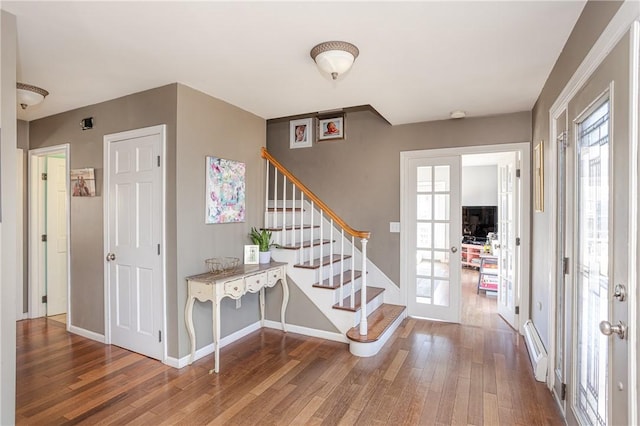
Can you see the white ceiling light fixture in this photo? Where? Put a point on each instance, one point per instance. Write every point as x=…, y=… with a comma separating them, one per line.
x=29, y=95
x=334, y=57
x=458, y=114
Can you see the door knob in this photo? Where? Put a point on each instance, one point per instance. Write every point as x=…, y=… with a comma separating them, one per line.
x=111, y=256
x=607, y=329
x=454, y=249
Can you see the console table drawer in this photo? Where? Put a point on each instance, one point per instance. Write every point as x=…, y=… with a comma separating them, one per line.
x=255, y=282
x=274, y=276
x=234, y=289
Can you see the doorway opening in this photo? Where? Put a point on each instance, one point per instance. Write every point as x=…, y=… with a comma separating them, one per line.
x=482, y=209
x=432, y=209
x=49, y=230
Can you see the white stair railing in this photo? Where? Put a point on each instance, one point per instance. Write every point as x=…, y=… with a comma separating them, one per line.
x=289, y=210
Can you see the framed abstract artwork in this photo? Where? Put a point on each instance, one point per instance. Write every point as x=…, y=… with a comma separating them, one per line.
x=225, y=201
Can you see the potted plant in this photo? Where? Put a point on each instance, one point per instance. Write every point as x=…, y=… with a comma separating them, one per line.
x=262, y=238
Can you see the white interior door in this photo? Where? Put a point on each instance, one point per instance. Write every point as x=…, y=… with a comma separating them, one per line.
x=134, y=235
x=508, y=252
x=56, y=245
x=433, y=237
x=599, y=219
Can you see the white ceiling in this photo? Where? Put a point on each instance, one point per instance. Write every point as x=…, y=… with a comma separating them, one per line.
x=418, y=60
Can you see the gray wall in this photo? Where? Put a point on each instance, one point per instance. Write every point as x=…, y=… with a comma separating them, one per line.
x=208, y=126
x=359, y=178
x=149, y=108
x=593, y=20
x=8, y=37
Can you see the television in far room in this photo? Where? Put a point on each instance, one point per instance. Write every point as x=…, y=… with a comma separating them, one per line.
x=478, y=221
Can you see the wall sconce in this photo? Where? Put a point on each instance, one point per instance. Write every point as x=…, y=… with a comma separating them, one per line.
x=29, y=95
x=334, y=57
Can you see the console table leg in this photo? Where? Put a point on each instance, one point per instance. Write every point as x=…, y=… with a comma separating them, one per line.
x=216, y=336
x=188, y=317
x=285, y=300
x=262, y=307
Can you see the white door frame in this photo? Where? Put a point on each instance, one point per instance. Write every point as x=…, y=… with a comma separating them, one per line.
x=36, y=262
x=161, y=129
x=19, y=235
x=524, y=148
x=627, y=18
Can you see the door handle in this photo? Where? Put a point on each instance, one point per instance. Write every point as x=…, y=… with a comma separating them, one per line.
x=454, y=249
x=607, y=329
x=111, y=256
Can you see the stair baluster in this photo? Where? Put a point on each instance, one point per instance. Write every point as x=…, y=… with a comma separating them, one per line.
x=331, y=273
x=275, y=199
x=293, y=217
x=363, y=291
x=353, y=287
x=266, y=196
x=301, y=255
x=321, y=248
x=284, y=205
x=342, y=268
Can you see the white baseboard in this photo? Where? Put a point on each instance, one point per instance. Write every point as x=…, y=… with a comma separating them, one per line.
x=372, y=348
x=207, y=350
x=312, y=332
x=86, y=333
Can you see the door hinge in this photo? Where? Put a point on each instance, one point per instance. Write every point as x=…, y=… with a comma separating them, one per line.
x=43, y=176
x=159, y=336
x=563, y=391
x=517, y=310
x=43, y=238
x=44, y=299
x=517, y=173
x=517, y=241
x=158, y=249
x=565, y=265
x=158, y=161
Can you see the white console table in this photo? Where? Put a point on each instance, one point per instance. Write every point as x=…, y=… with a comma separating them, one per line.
x=214, y=287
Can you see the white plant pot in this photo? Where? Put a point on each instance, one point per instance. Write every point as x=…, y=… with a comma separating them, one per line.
x=265, y=256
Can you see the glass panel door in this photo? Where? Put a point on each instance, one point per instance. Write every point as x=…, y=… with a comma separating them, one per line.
x=507, y=232
x=434, y=233
x=592, y=264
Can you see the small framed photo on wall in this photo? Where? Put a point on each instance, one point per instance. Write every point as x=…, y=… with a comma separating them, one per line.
x=301, y=133
x=331, y=128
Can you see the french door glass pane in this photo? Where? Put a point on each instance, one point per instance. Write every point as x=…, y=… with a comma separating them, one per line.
x=592, y=215
x=432, y=234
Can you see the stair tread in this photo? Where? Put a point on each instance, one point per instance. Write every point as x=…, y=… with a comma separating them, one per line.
x=336, y=280
x=289, y=227
x=377, y=323
x=317, y=262
x=372, y=293
x=305, y=244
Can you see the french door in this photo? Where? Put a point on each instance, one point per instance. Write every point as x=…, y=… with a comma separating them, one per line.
x=434, y=225
x=508, y=230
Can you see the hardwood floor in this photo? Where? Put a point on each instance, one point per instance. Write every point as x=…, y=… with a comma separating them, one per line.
x=429, y=374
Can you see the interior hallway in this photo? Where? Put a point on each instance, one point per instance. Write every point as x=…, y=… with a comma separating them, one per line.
x=429, y=373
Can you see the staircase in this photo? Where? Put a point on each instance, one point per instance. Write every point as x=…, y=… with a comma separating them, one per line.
x=326, y=263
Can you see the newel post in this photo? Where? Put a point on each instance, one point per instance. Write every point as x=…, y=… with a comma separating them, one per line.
x=363, y=290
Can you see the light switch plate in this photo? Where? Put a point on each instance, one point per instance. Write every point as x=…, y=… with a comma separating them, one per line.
x=394, y=227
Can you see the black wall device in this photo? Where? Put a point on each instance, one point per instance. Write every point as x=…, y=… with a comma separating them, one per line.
x=86, y=123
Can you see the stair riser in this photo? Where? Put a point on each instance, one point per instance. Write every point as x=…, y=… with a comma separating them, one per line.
x=315, y=252
x=373, y=304
x=286, y=238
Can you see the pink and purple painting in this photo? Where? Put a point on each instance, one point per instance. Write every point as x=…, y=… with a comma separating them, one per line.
x=225, y=191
